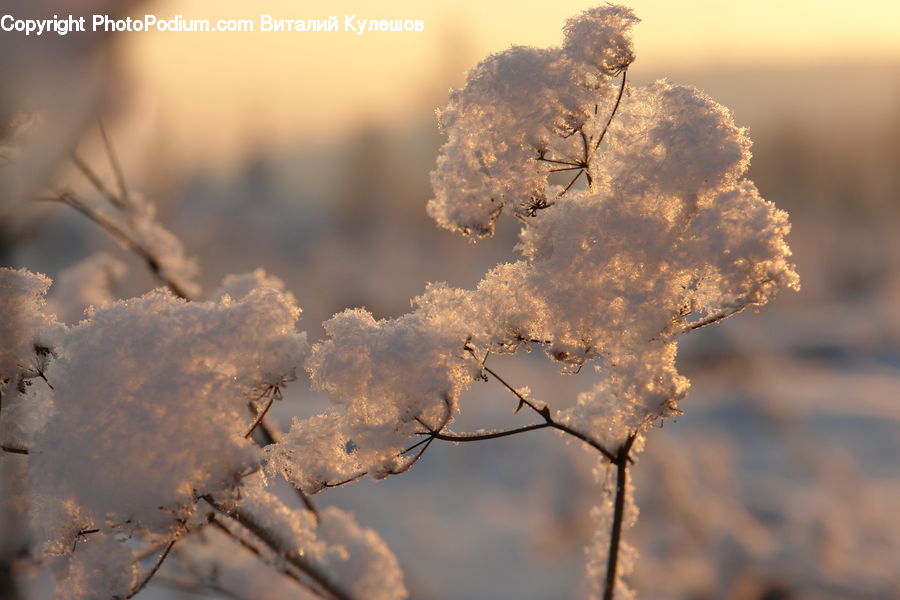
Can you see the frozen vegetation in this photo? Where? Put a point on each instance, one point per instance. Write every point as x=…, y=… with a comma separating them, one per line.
x=129, y=418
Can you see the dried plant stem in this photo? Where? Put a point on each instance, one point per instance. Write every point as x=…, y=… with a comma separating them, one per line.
x=244, y=543
x=269, y=394
x=143, y=583
x=97, y=182
x=549, y=420
x=476, y=437
x=712, y=319
x=123, y=238
x=249, y=522
x=612, y=113
x=114, y=163
x=621, y=462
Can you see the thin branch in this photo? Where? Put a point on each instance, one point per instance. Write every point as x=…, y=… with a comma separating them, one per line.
x=116, y=166
x=584, y=438
x=571, y=183
x=213, y=521
x=196, y=588
x=409, y=465
x=245, y=543
x=584, y=143
x=97, y=182
x=477, y=437
x=14, y=449
x=67, y=197
x=261, y=414
x=523, y=401
x=548, y=419
x=417, y=444
x=351, y=479
x=152, y=571
x=711, y=319
x=158, y=547
x=292, y=556
x=614, y=110
x=622, y=459
x=558, y=162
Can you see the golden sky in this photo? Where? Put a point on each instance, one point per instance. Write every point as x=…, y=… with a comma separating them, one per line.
x=216, y=93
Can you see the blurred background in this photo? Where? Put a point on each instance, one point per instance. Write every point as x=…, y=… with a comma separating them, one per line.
x=308, y=154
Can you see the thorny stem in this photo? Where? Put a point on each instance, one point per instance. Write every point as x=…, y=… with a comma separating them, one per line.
x=621, y=462
x=620, y=459
x=152, y=571
x=548, y=418
x=269, y=539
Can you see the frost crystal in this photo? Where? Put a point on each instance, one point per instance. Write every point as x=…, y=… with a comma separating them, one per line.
x=84, y=285
x=22, y=321
x=150, y=408
x=138, y=412
x=102, y=568
x=390, y=378
x=352, y=558
x=667, y=237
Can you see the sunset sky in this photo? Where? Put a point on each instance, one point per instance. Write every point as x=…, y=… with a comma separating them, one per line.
x=216, y=93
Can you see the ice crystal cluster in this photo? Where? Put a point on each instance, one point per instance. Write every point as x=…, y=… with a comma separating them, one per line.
x=663, y=235
x=147, y=413
x=137, y=413
x=666, y=236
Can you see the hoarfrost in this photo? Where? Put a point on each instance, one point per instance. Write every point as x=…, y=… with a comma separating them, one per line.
x=150, y=408
x=85, y=284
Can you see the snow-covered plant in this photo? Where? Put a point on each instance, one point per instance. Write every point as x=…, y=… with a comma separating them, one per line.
x=134, y=421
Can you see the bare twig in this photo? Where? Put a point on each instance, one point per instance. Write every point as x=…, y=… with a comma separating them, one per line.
x=477, y=437
x=14, y=449
x=571, y=183
x=614, y=110
x=269, y=393
x=143, y=583
x=544, y=412
x=114, y=163
x=67, y=197
x=196, y=588
x=621, y=462
x=292, y=556
x=711, y=319
x=558, y=162
x=97, y=182
x=246, y=544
